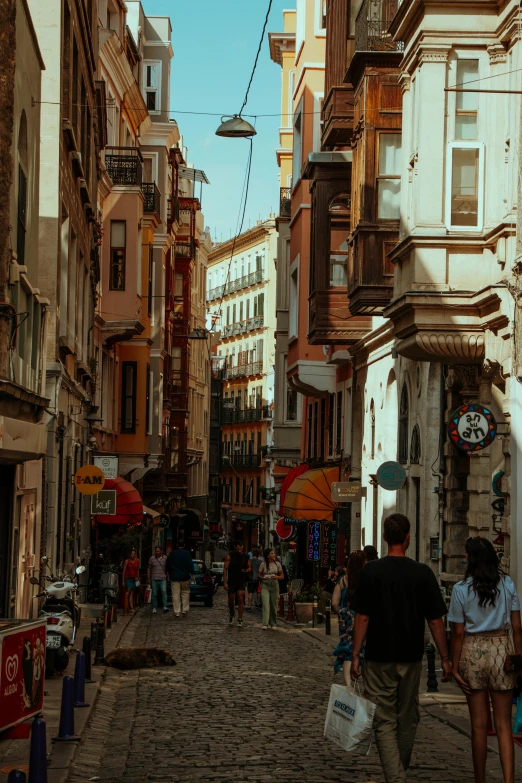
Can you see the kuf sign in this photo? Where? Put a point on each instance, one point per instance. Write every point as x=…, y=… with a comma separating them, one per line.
x=89, y=480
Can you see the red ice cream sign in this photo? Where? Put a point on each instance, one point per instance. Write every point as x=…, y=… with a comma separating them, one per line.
x=22, y=670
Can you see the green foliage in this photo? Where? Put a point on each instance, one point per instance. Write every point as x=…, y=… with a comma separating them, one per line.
x=308, y=593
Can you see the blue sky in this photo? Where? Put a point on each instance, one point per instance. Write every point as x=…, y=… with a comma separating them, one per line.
x=214, y=49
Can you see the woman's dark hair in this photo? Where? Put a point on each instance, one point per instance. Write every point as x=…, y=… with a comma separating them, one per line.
x=133, y=550
x=354, y=567
x=370, y=553
x=266, y=554
x=483, y=569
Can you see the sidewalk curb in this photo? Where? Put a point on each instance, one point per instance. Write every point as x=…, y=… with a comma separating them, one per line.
x=62, y=753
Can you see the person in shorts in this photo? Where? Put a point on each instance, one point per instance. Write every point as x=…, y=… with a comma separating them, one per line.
x=486, y=632
x=235, y=575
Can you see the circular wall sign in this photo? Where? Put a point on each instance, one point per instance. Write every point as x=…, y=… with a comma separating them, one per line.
x=283, y=530
x=89, y=480
x=472, y=428
x=391, y=475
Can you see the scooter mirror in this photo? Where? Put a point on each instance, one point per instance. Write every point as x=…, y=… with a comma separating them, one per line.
x=34, y=580
x=80, y=569
x=44, y=559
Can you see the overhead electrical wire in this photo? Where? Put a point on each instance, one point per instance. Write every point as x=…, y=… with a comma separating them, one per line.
x=245, y=101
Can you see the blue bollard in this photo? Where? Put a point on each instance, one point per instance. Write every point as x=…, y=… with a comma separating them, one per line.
x=79, y=681
x=37, y=753
x=66, y=730
x=17, y=776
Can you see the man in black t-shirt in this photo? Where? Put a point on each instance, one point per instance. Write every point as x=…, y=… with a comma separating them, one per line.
x=394, y=598
x=235, y=574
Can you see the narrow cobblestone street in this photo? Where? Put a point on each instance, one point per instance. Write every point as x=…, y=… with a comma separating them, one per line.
x=241, y=705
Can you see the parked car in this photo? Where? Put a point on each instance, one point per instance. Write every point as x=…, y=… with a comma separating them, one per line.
x=216, y=569
x=202, y=585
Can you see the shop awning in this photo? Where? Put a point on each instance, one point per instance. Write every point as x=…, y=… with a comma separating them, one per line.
x=129, y=505
x=289, y=480
x=248, y=517
x=310, y=496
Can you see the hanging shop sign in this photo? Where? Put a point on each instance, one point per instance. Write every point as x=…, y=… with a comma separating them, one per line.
x=109, y=466
x=391, y=476
x=472, y=428
x=89, y=480
x=329, y=545
x=283, y=529
x=347, y=492
x=313, y=542
x=104, y=502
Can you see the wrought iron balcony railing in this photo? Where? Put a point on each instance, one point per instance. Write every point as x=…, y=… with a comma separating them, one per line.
x=185, y=249
x=124, y=165
x=244, y=370
x=372, y=24
x=285, y=202
x=173, y=210
x=152, y=198
x=236, y=285
x=257, y=322
x=243, y=460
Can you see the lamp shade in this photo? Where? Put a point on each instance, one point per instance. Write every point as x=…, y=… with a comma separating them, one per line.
x=236, y=128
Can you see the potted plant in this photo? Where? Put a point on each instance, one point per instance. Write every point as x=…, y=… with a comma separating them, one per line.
x=304, y=602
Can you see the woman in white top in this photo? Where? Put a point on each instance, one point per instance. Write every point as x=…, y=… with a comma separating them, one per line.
x=486, y=631
x=270, y=574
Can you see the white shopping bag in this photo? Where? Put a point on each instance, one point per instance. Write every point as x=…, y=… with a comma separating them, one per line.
x=349, y=720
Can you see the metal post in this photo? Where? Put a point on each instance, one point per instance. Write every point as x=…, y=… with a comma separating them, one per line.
x=101, y=629
x=432, y=683
x=99, y=658
x=87, y=651
x=79, y=681
x=94, y=633
x=314, y=612
x=327, y=618
x=16, y=776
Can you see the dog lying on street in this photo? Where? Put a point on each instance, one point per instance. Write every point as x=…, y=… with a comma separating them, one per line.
x=139, y=658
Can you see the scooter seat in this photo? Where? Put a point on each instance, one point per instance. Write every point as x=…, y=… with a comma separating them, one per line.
x=57, y=609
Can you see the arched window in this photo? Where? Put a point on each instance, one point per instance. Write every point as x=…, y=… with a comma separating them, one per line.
x=372, y=422
x=22, y=189
x=415, y=448
x=403, y=425
x=339, y=214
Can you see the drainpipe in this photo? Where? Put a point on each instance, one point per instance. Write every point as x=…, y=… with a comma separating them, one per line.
x=441, y=472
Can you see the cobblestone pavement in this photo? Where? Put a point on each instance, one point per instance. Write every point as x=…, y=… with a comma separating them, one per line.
x=242, y=704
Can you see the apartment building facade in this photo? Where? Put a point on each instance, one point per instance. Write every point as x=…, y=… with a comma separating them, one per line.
x=241, y=300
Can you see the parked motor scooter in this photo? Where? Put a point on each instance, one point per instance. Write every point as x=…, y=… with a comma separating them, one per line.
x=109, y=585
x=62, y=613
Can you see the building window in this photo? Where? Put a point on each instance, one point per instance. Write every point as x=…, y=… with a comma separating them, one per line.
x=148, y=412
x=339, y=424
x=465, y=207
x=331, y=411
x=118, y=252
x=22, y=215
x=291, y=404
x=415, y=448
x=258, y=490
x=389, y=176
x=129, y=372
x=466, y=105
x=298, y=147
x=149, y=289
x=152, y=86
x=339, y=216
x=176, y=368
x=294, y=301
x=403, y=425
x=238, y=489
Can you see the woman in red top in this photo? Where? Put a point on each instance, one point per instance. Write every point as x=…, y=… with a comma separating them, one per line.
x=131, y=572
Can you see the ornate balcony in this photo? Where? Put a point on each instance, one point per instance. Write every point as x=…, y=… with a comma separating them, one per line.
x=186, y=249
x=338, y=115
x=124, y=165
x=236, y=285
x=285, y=203
x=152, y=198
x=372, y=24
x=370, y=273
x=173, y=210
x=241, y=327
x=245, y=370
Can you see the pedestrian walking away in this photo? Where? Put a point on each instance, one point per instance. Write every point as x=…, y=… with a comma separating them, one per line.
x=328, y=590
x=157, y=578
x=270, y=574
x=180, y=569
x=253, y=582
x=343, y=594
x=394, y=598
x=130, y=579
x=370, y=553
x=486, y=646
x=235, y=574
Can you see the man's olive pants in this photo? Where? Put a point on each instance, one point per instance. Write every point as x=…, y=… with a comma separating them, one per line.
x=394, y=689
